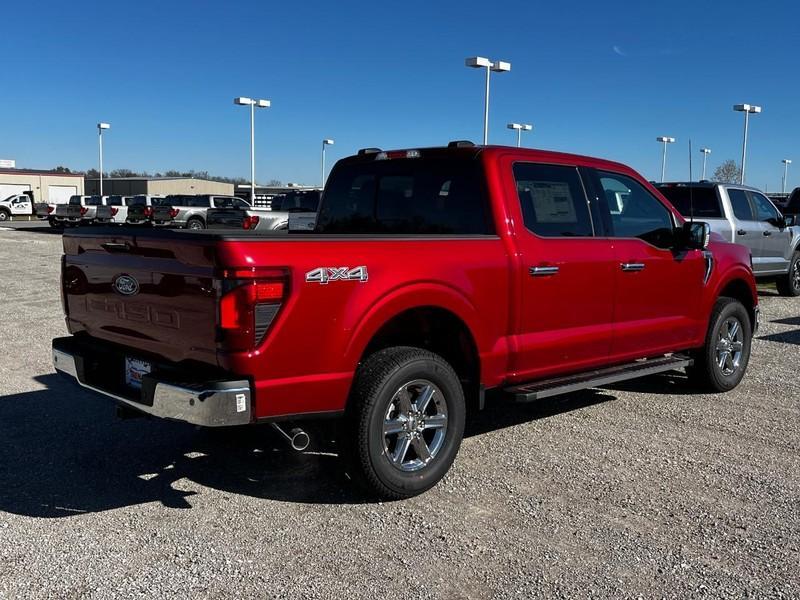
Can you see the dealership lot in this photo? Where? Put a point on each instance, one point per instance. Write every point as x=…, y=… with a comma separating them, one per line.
x=645, y=488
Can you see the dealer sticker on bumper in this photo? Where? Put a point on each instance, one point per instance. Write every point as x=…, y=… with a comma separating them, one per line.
x=135, y=369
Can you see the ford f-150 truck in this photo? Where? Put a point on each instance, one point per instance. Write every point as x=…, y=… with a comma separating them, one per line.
x=431, y=276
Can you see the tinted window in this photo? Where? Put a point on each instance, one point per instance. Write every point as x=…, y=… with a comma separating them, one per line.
x=136, y=201
x=764, y=209
x=552, y=200
x=741, y=206
x=114, y=201
x=197, y=201
x=75, y=200
x=405, y=196
x=239, y=203
x=635, y=212
x=703, y=200
x=94, y=201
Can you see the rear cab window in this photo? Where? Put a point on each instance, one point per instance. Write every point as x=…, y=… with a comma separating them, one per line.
x=407, y=196
x=700, y=201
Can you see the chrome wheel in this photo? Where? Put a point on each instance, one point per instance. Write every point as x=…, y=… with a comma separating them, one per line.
x=730, y=343
x=195, y=224
x=415, y=425
x=795, y=275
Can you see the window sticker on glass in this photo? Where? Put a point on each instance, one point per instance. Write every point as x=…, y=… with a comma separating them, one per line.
x=552, y=202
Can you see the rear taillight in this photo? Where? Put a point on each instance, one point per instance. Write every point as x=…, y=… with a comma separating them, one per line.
x=173, y=212
x=148, y=211
x=50, y=209
x=250, y=222
x=249, y=302
x=84, y=209
x=114, y=211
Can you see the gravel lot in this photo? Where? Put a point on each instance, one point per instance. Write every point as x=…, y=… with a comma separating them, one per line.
x=645, y=489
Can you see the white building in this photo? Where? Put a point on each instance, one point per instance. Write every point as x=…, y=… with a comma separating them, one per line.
x=46, y=186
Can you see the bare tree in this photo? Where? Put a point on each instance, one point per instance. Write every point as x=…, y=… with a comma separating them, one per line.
x=727, y=172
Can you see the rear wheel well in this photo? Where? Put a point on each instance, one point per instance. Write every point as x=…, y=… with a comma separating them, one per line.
x=440, y=331
x=739, y=290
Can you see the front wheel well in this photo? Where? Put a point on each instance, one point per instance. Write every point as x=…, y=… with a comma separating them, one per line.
x=739, y=290
x=441, y=332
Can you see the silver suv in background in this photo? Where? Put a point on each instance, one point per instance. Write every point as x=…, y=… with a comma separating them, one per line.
x=744, y=215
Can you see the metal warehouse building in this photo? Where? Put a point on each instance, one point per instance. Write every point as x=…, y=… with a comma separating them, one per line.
x=158, y=186
x=46, y=186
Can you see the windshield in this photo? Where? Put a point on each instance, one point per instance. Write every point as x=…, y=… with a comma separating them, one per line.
x=703, y=199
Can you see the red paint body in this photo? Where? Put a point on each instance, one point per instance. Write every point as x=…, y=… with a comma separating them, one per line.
x=524, y=328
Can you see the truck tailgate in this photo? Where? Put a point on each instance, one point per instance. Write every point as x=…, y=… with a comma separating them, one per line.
x=154, y=295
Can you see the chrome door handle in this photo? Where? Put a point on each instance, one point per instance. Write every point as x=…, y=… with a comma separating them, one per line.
x=542, y=271
x=632, y=266
x=741, y=232
x=767, y=233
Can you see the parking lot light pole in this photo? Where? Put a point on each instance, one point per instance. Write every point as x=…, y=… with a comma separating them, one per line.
x=520, y=127
x=747, y=109
x=786, y=162
x=252, y=103
x=706, y=152
x=327, y=142
x=100, y=127
x=665, y=140
x=479, y=62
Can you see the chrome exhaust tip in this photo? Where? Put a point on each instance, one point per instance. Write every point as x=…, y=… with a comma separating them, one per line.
x=297, y=438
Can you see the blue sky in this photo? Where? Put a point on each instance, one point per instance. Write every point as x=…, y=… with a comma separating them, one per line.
x=598, y=78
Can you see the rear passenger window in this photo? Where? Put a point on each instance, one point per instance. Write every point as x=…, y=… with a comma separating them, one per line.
x=635, y=212
x=552, y=200
x=741, y=206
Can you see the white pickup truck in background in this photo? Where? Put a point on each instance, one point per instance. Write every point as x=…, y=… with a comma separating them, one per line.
x=22, y=205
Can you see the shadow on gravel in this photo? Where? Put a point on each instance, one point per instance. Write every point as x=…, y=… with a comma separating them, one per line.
x=672, y=383
x=788, y=321
x=34, y=228
x=784, y=337
x=64, y=452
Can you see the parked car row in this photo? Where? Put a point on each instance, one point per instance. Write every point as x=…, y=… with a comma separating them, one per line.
x=182, y=211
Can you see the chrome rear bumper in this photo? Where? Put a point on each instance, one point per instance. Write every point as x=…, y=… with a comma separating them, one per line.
x=211, y=404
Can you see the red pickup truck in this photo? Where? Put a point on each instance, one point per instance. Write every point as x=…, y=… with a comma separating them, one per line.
x=432, y=275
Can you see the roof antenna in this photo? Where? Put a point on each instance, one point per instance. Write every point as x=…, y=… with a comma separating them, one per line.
x=691, y=202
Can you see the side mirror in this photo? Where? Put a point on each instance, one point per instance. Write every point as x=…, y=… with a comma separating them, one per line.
x=695, y=235
x=789, y=221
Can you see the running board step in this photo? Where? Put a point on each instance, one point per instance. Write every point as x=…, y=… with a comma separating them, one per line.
x=581, y=381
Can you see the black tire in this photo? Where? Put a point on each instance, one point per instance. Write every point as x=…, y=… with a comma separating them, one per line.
x=706, y=373
x=789, y=284
x=195, y=223
x=4, y=216
x=378, y=392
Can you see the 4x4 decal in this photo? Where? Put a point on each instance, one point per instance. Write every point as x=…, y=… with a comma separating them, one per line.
x=325, y=275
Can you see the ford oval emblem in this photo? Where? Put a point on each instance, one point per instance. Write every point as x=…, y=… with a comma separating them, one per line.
x=126, y=285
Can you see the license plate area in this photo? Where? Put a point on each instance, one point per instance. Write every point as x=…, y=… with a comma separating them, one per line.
x=135, y=369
